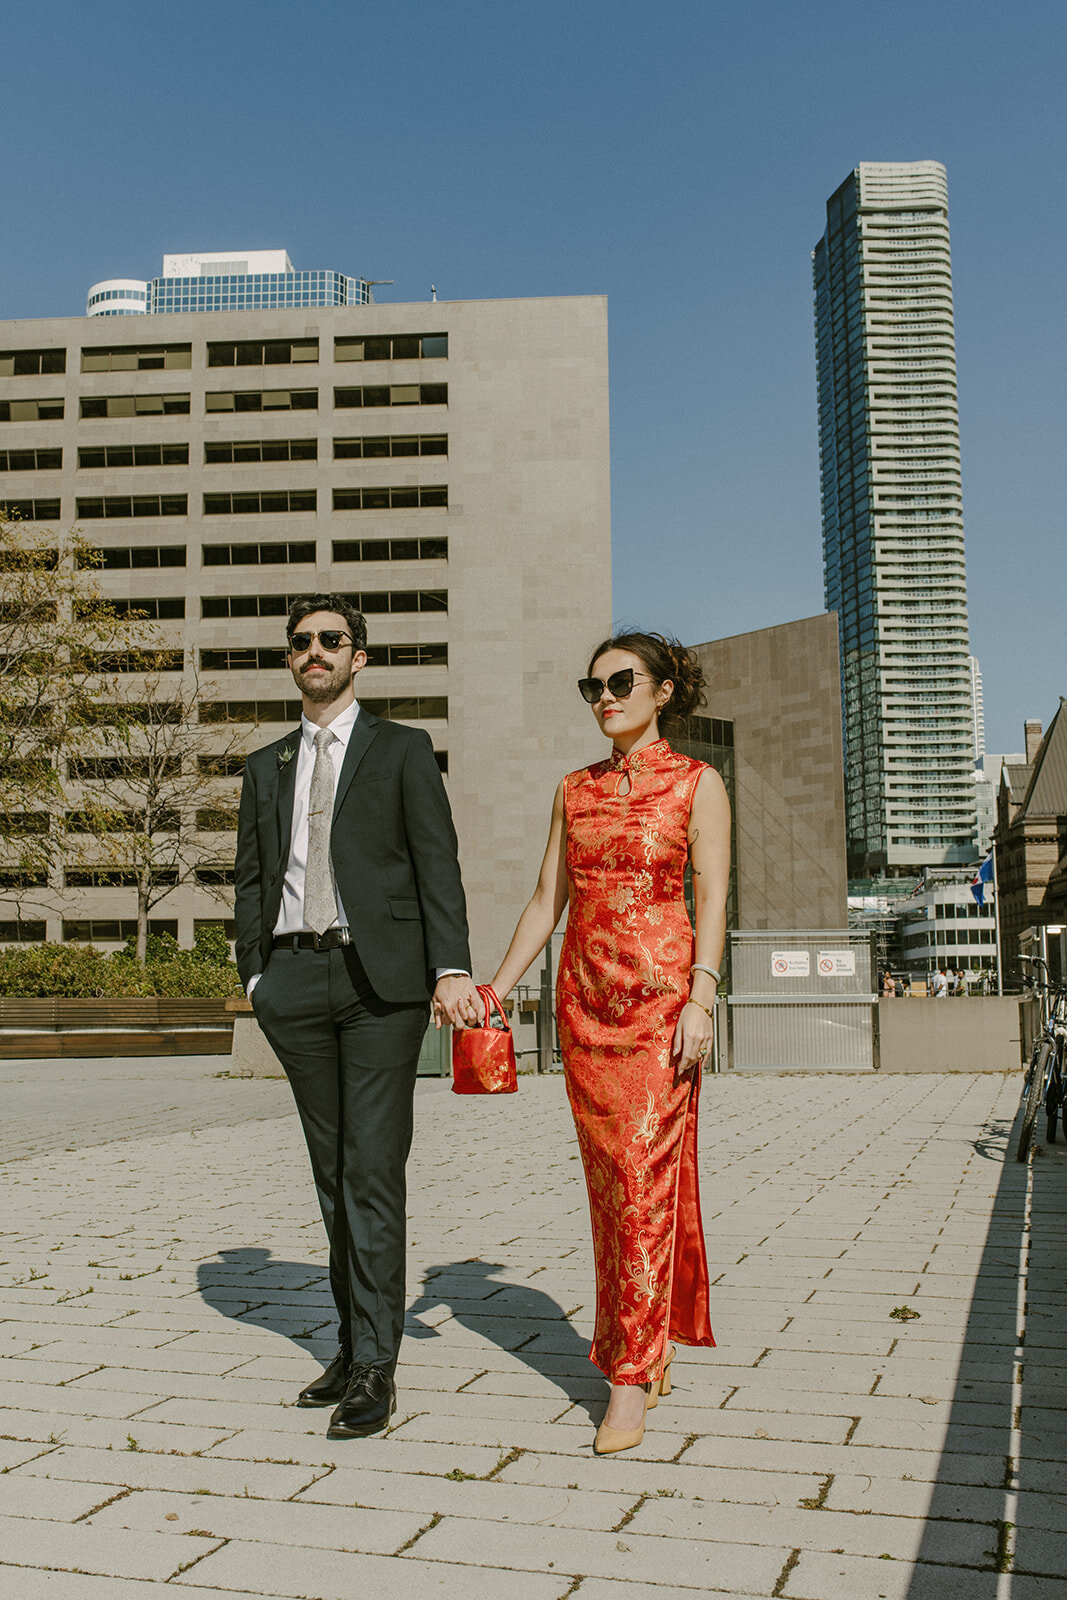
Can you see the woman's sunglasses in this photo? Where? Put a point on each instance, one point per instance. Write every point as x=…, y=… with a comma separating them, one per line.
x=619, y=686
x=329, y=638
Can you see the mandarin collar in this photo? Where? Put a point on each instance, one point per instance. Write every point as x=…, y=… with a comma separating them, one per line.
x=649, y=755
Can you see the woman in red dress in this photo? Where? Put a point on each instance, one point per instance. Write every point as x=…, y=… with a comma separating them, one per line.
x=635, y=1007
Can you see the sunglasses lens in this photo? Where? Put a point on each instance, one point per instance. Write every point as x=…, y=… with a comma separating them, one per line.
x=300, y=642
x=590, y=689
x=621, y=683
x=330, y=639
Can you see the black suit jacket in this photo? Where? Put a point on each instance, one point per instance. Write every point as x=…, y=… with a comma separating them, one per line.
x=394, y=857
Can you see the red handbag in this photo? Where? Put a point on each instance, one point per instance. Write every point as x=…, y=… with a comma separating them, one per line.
x=483, y=1058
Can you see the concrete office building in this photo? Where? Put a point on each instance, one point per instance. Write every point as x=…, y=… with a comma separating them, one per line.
x=446, y=462
x=773, y=727
x=942, y=925
x=893, y=517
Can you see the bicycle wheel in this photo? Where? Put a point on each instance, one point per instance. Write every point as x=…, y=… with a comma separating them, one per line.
x=1034, y=1096
x=1054, y=1096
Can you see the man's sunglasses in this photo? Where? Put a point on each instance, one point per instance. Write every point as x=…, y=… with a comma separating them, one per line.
x=329, y=638
x=619, y=686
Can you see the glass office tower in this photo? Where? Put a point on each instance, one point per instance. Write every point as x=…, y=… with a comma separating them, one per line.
x=893, y=517
x=259, y=280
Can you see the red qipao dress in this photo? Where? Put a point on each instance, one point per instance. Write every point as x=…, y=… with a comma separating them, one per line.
x=623, y=979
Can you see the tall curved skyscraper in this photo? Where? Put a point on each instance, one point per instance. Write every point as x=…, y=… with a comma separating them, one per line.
x=892, y=515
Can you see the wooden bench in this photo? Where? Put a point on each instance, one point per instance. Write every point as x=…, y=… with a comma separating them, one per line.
x=138, y=1026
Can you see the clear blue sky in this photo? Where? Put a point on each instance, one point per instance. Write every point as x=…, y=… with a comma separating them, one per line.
x=675, y=156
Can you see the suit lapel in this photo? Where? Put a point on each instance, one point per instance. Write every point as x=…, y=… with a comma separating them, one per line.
x=363, y=733
x=287, y=761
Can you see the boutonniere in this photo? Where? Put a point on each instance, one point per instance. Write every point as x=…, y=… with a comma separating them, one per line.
x=286, y=754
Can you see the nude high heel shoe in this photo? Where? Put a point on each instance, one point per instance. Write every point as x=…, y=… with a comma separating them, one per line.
x=609, y=1440
x=663, y=1386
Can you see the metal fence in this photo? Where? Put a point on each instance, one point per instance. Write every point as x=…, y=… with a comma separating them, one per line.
x=802, y=999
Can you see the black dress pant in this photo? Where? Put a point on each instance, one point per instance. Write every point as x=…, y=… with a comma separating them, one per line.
x=350, y=1058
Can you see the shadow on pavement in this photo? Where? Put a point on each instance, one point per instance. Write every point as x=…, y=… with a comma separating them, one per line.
x=1004, y=1458
x=251, y=1285
x=522, y=1320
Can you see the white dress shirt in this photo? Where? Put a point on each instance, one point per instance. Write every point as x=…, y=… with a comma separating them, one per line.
x=291, y=912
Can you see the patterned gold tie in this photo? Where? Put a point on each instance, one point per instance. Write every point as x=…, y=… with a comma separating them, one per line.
x=320, y=901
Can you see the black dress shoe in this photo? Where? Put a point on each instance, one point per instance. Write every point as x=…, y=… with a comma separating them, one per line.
x=367, y=1405
x=330, y=1386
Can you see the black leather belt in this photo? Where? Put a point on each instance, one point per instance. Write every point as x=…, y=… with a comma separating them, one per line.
x=330, y=940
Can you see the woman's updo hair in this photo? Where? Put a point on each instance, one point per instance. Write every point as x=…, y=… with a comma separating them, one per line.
x=663, y=658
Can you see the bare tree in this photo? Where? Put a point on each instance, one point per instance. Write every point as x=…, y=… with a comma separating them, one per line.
x=157, y=785
x=54, y=623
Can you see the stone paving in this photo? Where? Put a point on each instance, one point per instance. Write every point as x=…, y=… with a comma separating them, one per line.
x=871, y=1424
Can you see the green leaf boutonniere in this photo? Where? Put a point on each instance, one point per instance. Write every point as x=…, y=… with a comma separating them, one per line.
x=286, y=754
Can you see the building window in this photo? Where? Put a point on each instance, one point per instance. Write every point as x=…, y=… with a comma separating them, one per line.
x=31, y=510
x=134, y=455
x=409, y=708
x=250, y=711
x=399, y=498
x=262, y=352
x=262, y=400
x=390, y=549
x=392, y=394
x=31, y=410
x=99, y=769
x=228, y=451
x=135, y=505
x=248, y=659
x=136, y=357
x=370, y=602
x=141, y=660
x=24, y=823
x=31, y=363
x=123, y=822
x=99, y=930
x=23, y=878
x=159, y=555
x=155, y=610
x=395, y=347
x=371, y=447
x=30, y=460
x=135, y=405
x=99, y=878
x=407, y=655
x=258, y=555
x=227, y=505
x=221, y=766
x=216, y=819
x=22, y=932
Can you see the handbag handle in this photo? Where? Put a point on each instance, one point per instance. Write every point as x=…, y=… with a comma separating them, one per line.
x=488, y=994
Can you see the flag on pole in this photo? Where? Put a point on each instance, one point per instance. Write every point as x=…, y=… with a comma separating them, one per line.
x=983, y=876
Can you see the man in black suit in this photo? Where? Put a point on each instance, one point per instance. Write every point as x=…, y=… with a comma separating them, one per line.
x=350, y=922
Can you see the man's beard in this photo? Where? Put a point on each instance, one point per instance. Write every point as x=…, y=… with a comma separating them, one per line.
x=322, y=687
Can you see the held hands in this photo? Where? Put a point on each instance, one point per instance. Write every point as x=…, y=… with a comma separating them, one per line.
x=693, y=1037
x=456, y=1000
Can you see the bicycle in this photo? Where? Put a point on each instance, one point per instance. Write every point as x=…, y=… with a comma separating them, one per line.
x=1045, y=1081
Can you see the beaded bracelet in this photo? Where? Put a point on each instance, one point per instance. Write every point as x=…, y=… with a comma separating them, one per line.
x=707, y=1013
